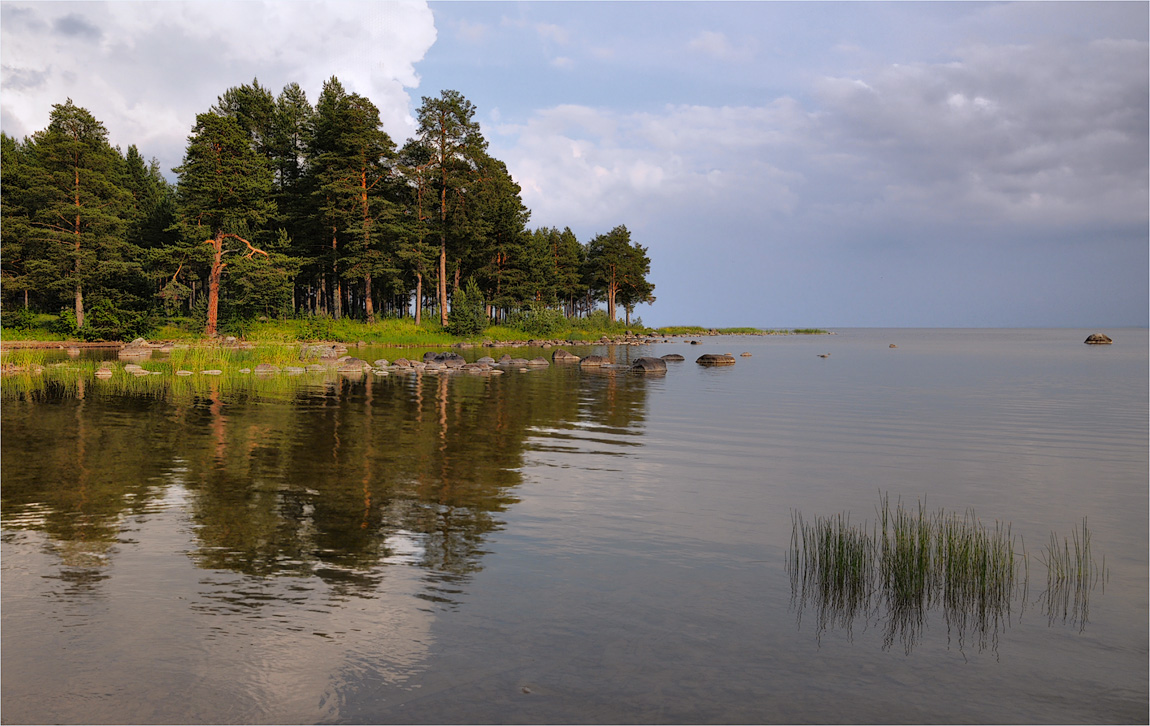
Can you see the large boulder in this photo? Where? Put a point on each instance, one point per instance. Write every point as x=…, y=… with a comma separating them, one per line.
x=564, y=356
x=1098, y=339
x=673, y=357
x=649, y=365
x=538, y=363
x=716, y=359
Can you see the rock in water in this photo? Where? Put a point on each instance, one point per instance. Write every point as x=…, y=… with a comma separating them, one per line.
x=1098, y=339
x=716, y=359
x=592, y=360
x=673, y=357
x=649, y=365
x=564, y=356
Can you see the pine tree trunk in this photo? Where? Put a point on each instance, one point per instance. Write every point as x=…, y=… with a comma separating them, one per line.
x=368, y=303
x=418, y=296
x=214, y=286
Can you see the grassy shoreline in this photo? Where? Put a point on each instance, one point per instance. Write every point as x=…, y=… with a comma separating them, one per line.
x=392, y=333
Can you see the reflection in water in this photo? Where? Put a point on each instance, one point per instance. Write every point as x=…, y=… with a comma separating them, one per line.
x=329, y=518
x=909, y=564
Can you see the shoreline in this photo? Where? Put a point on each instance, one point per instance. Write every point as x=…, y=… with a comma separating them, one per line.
x=231, y=341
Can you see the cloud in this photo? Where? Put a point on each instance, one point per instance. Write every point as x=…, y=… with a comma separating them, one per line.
x=717, y=45
x=1038, y=133
x=146, y=69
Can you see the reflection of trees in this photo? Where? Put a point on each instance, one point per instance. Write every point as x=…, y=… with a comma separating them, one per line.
x=73, y=473
x=334, y=481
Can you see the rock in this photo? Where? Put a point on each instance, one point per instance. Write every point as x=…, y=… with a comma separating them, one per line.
x=486, y=360
x=402, y=363
x=245, y=370
x=230, y=340
x=496, y=372
x=694, y=342
x=744, y=355
x=315, y=368
x=267, y=368
x=716, y=359
x=379, y=371
x=353, y=365
x=824, y=355
x=212, y=372
x=538, y=363
x=649, y=365
x=504, y=359
x=1098, y=339
x=104, y=373
x=325, y=351
x=673, y=357
x=592, y=361
x=293, y=370
x=564, y=356
x=381, y=363
x=183, y=373
x=892, y=345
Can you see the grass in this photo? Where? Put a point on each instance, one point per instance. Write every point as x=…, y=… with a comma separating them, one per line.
x=1071, y=573
x=914, y=560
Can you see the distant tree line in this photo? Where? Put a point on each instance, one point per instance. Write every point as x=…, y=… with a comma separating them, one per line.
x=283, y=208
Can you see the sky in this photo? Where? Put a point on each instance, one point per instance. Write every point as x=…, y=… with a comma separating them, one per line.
x=805, y=164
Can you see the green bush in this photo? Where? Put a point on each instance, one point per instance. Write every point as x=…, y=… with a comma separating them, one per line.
x=467, y=316
x=17, y=318
x=539, y=322
x=316, y=327
x=65, y=324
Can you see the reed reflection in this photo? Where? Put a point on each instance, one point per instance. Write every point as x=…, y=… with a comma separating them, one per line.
x=910, y=563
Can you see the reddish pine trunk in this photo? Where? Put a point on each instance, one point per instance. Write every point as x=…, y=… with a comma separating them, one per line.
x=214, y=285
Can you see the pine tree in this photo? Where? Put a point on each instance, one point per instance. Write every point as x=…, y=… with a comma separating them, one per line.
x=78, y=206
x=224, y=190
x=450, y=134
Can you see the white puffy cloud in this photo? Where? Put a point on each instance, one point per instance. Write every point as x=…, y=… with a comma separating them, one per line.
x=593, y=167
x=146, y=69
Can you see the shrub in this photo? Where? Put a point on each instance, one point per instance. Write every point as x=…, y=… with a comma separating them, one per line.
x=539, y=322
x=467, y=316
x=17, y=318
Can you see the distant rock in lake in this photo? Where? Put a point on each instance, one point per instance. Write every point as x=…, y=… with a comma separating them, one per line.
x=592, y=361
x=1098, y=339
x=564, y=356
x=716, y=359
x=673, y=357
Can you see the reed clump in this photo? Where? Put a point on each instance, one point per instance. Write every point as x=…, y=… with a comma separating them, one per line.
x=910, y=561
x=1071, y=574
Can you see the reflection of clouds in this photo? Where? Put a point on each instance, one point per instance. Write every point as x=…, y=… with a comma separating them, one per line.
x=164, y=643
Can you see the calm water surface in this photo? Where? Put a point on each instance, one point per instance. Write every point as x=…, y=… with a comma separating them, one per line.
x=565, y=545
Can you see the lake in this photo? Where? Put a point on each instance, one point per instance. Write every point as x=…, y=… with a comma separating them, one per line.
x=566, y=545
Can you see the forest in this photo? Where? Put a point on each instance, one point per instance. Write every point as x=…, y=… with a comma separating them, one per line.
x=284, y=209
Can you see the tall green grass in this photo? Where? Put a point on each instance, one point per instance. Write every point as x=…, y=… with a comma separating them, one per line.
x=1071, y=574
x=915, y=560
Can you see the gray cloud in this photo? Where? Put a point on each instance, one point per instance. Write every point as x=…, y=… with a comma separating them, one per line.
x=76, y=26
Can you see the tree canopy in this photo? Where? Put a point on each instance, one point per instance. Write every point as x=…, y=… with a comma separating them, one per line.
x=282, y=208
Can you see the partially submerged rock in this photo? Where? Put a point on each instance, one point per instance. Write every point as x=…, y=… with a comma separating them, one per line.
x=564, y=356
x=1098, y=339
x=716, y=359
x=593, y=361
x=649, y=365
x=673, y=357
